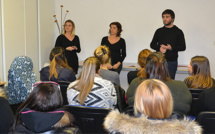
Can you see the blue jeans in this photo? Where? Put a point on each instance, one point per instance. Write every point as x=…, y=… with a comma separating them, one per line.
x=172, y=65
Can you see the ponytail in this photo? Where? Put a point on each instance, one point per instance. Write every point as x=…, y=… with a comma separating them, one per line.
x=53, y=64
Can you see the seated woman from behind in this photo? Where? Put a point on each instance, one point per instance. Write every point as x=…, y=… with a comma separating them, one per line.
x=153, y=107
x=42, y=112
x=142, y=63
x=20, y=79
x=157, y=68
x=201, y=78
x=90, y=89
x=103, y=54
x=58, y=70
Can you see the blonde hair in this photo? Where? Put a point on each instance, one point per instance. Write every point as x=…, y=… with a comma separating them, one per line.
x=73, y=27
x=142, y=61
x=153, y=99
x=57, y=57
x=86, y=79
x=103, y=54
x=2, y=93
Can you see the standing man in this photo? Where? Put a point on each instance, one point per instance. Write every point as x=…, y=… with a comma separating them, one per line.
x=169, y=39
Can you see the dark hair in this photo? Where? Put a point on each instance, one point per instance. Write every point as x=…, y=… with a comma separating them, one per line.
x=119, y=27
x=57, y=57
x=44, y=97
x=170, y=12
x=157, y=67
x=200, y=65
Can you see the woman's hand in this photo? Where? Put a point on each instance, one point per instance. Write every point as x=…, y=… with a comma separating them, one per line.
x=71, y=48
x=75, y=48
x=116, y=65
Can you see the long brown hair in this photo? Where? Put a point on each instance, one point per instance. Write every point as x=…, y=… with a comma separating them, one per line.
x=157, y=67
x=85, y=80
x=142, y=61
x=153, y=99
x=46, y=96
x=57, y=58
x=201, y=73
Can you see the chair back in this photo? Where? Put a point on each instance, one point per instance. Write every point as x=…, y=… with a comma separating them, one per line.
x=207, y=120
x=129, y=110
x=63, y=88
x=121, y=103
x=195, y=92
x=195, y=101
x=88, y=119
x=14, y=107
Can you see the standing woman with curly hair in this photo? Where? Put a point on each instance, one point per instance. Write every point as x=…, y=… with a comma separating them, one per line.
x=117, y=46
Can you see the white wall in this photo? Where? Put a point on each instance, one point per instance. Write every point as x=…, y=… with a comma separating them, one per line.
x=140, y=19
x=46, y=29
x=26, y=29
x=1, y=52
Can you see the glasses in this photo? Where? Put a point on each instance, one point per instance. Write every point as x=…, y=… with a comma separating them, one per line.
x=46, y=82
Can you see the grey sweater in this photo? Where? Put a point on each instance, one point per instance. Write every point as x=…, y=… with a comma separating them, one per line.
x=111, y=76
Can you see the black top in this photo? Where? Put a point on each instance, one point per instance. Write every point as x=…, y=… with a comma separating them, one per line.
x=117, y=50
x=43, y=122
x=172, y=36
x=206, y=100
x=71, y=56
x=64, y=74
x=6, y=116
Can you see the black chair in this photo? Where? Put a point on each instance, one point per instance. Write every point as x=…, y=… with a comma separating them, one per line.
x=207, y=120
x=121, y=103
x=63, y=87
x=88, y=119
x=131, y=75
x=129, y=110
x=14, y=107
x=195, y=101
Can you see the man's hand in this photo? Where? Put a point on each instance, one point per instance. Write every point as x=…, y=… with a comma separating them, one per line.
x=163, y=49
x=169, y=47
